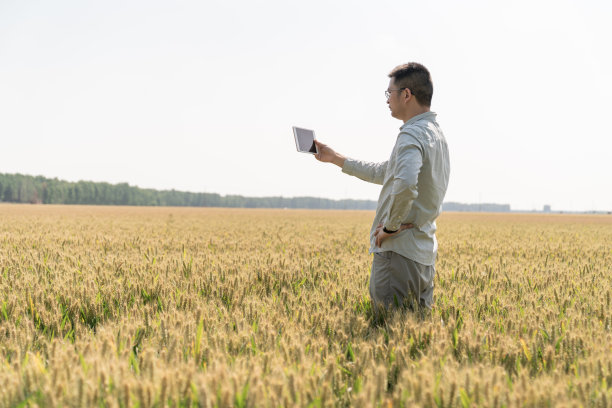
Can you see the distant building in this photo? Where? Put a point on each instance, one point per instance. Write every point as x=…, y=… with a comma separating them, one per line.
x=546, y=208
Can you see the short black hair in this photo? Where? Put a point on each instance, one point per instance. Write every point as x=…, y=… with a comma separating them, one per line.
x=415, y=77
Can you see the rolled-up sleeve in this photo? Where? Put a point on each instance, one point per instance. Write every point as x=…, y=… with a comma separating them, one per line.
x=409, y=159
x=370, y=172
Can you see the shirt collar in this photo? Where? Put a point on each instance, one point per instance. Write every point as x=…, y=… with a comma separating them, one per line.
x=430, y=116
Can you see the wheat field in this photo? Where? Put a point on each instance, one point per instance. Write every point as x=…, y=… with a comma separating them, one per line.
x=181, y=307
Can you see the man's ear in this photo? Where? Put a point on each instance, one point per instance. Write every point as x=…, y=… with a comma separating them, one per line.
x=408, y=94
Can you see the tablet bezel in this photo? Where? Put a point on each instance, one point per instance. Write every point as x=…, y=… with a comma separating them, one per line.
x=297, y=145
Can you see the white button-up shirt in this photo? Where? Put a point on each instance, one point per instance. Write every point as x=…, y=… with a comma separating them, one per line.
x=414, y=181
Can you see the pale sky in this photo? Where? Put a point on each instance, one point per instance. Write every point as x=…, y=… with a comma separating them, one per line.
x=201, y=95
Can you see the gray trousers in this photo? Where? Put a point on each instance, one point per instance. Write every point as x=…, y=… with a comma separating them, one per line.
x=396, y=280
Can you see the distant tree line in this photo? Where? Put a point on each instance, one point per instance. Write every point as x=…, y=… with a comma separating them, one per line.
x=484, y=207
x=19, y=188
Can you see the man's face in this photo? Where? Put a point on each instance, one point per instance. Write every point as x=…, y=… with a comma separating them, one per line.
x=395, y=99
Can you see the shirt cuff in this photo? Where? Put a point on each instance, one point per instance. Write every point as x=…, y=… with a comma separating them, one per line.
x=393, y=225
x=349, y=166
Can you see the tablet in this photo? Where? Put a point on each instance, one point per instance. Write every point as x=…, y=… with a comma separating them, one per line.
x=304, y=140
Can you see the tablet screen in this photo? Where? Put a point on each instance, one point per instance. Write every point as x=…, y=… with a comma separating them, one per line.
x=304, y=140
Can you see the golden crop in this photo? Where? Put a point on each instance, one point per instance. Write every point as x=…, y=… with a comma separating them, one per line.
x=152, y=307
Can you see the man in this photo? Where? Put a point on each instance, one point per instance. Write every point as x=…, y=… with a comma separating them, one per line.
x=414, y=181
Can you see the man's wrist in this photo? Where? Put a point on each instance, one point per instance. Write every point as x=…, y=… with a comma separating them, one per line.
x=389, y=232
x=339, y=160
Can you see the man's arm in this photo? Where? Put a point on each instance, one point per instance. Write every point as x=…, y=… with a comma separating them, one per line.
x=404, y=192
x=405, y=179
x=370, y=172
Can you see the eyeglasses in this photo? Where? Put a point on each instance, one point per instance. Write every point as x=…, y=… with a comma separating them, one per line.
x=388, y=91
